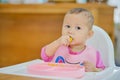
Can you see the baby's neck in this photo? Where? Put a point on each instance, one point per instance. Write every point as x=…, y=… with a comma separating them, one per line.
x=77, y=48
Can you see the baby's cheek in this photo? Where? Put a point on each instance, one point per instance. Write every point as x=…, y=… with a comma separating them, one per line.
x=80, y=40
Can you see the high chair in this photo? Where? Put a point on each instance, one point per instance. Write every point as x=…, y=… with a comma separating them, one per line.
x=101, y=41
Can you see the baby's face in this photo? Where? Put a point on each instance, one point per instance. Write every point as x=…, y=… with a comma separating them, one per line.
x=76, y=26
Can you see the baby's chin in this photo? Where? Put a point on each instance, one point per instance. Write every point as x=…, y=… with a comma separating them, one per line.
x=75, y=44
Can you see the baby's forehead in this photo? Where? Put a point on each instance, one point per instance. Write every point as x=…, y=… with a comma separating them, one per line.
x=81, y=14
x=76, y=18
x=79, y=19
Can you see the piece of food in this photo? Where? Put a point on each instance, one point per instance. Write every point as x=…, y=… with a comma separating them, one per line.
x=70, y=39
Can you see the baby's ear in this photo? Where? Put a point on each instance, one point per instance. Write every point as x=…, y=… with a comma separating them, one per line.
x=90, y=34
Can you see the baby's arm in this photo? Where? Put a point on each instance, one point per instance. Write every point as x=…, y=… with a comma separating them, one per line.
x=99, y=64
x=52, y=47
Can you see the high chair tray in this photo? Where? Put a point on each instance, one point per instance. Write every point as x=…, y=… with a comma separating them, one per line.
x=22, y=70
x=56, y=69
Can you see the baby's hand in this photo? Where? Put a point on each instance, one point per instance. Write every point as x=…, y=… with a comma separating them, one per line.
x=89, y=67
x=64, y=40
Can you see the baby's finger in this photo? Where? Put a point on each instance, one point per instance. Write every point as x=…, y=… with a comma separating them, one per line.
x=65, y=42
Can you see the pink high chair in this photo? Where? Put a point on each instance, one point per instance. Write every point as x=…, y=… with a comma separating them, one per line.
x=100, y=41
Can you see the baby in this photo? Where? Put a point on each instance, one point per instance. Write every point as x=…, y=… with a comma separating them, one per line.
x=71, y=46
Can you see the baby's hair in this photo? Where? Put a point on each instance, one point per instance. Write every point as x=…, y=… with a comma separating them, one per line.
x=87, y=13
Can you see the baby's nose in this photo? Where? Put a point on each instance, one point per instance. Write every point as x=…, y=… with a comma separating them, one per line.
x=70, y=31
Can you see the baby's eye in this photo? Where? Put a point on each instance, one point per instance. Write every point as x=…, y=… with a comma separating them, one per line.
x=77, y=28
x=67, y=26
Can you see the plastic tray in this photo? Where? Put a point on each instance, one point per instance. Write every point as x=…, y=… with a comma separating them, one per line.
x=57, y=69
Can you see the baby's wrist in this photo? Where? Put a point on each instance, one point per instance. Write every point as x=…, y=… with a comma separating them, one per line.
x=97, y=69
x=57, y=42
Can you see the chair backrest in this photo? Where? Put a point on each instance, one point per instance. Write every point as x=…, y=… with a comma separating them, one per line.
x=102, y=42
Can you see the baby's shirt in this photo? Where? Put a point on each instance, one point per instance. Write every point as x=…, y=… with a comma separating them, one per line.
x=65, y=54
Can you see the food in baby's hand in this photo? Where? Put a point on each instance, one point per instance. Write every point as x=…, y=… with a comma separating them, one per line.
x=70, y=39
